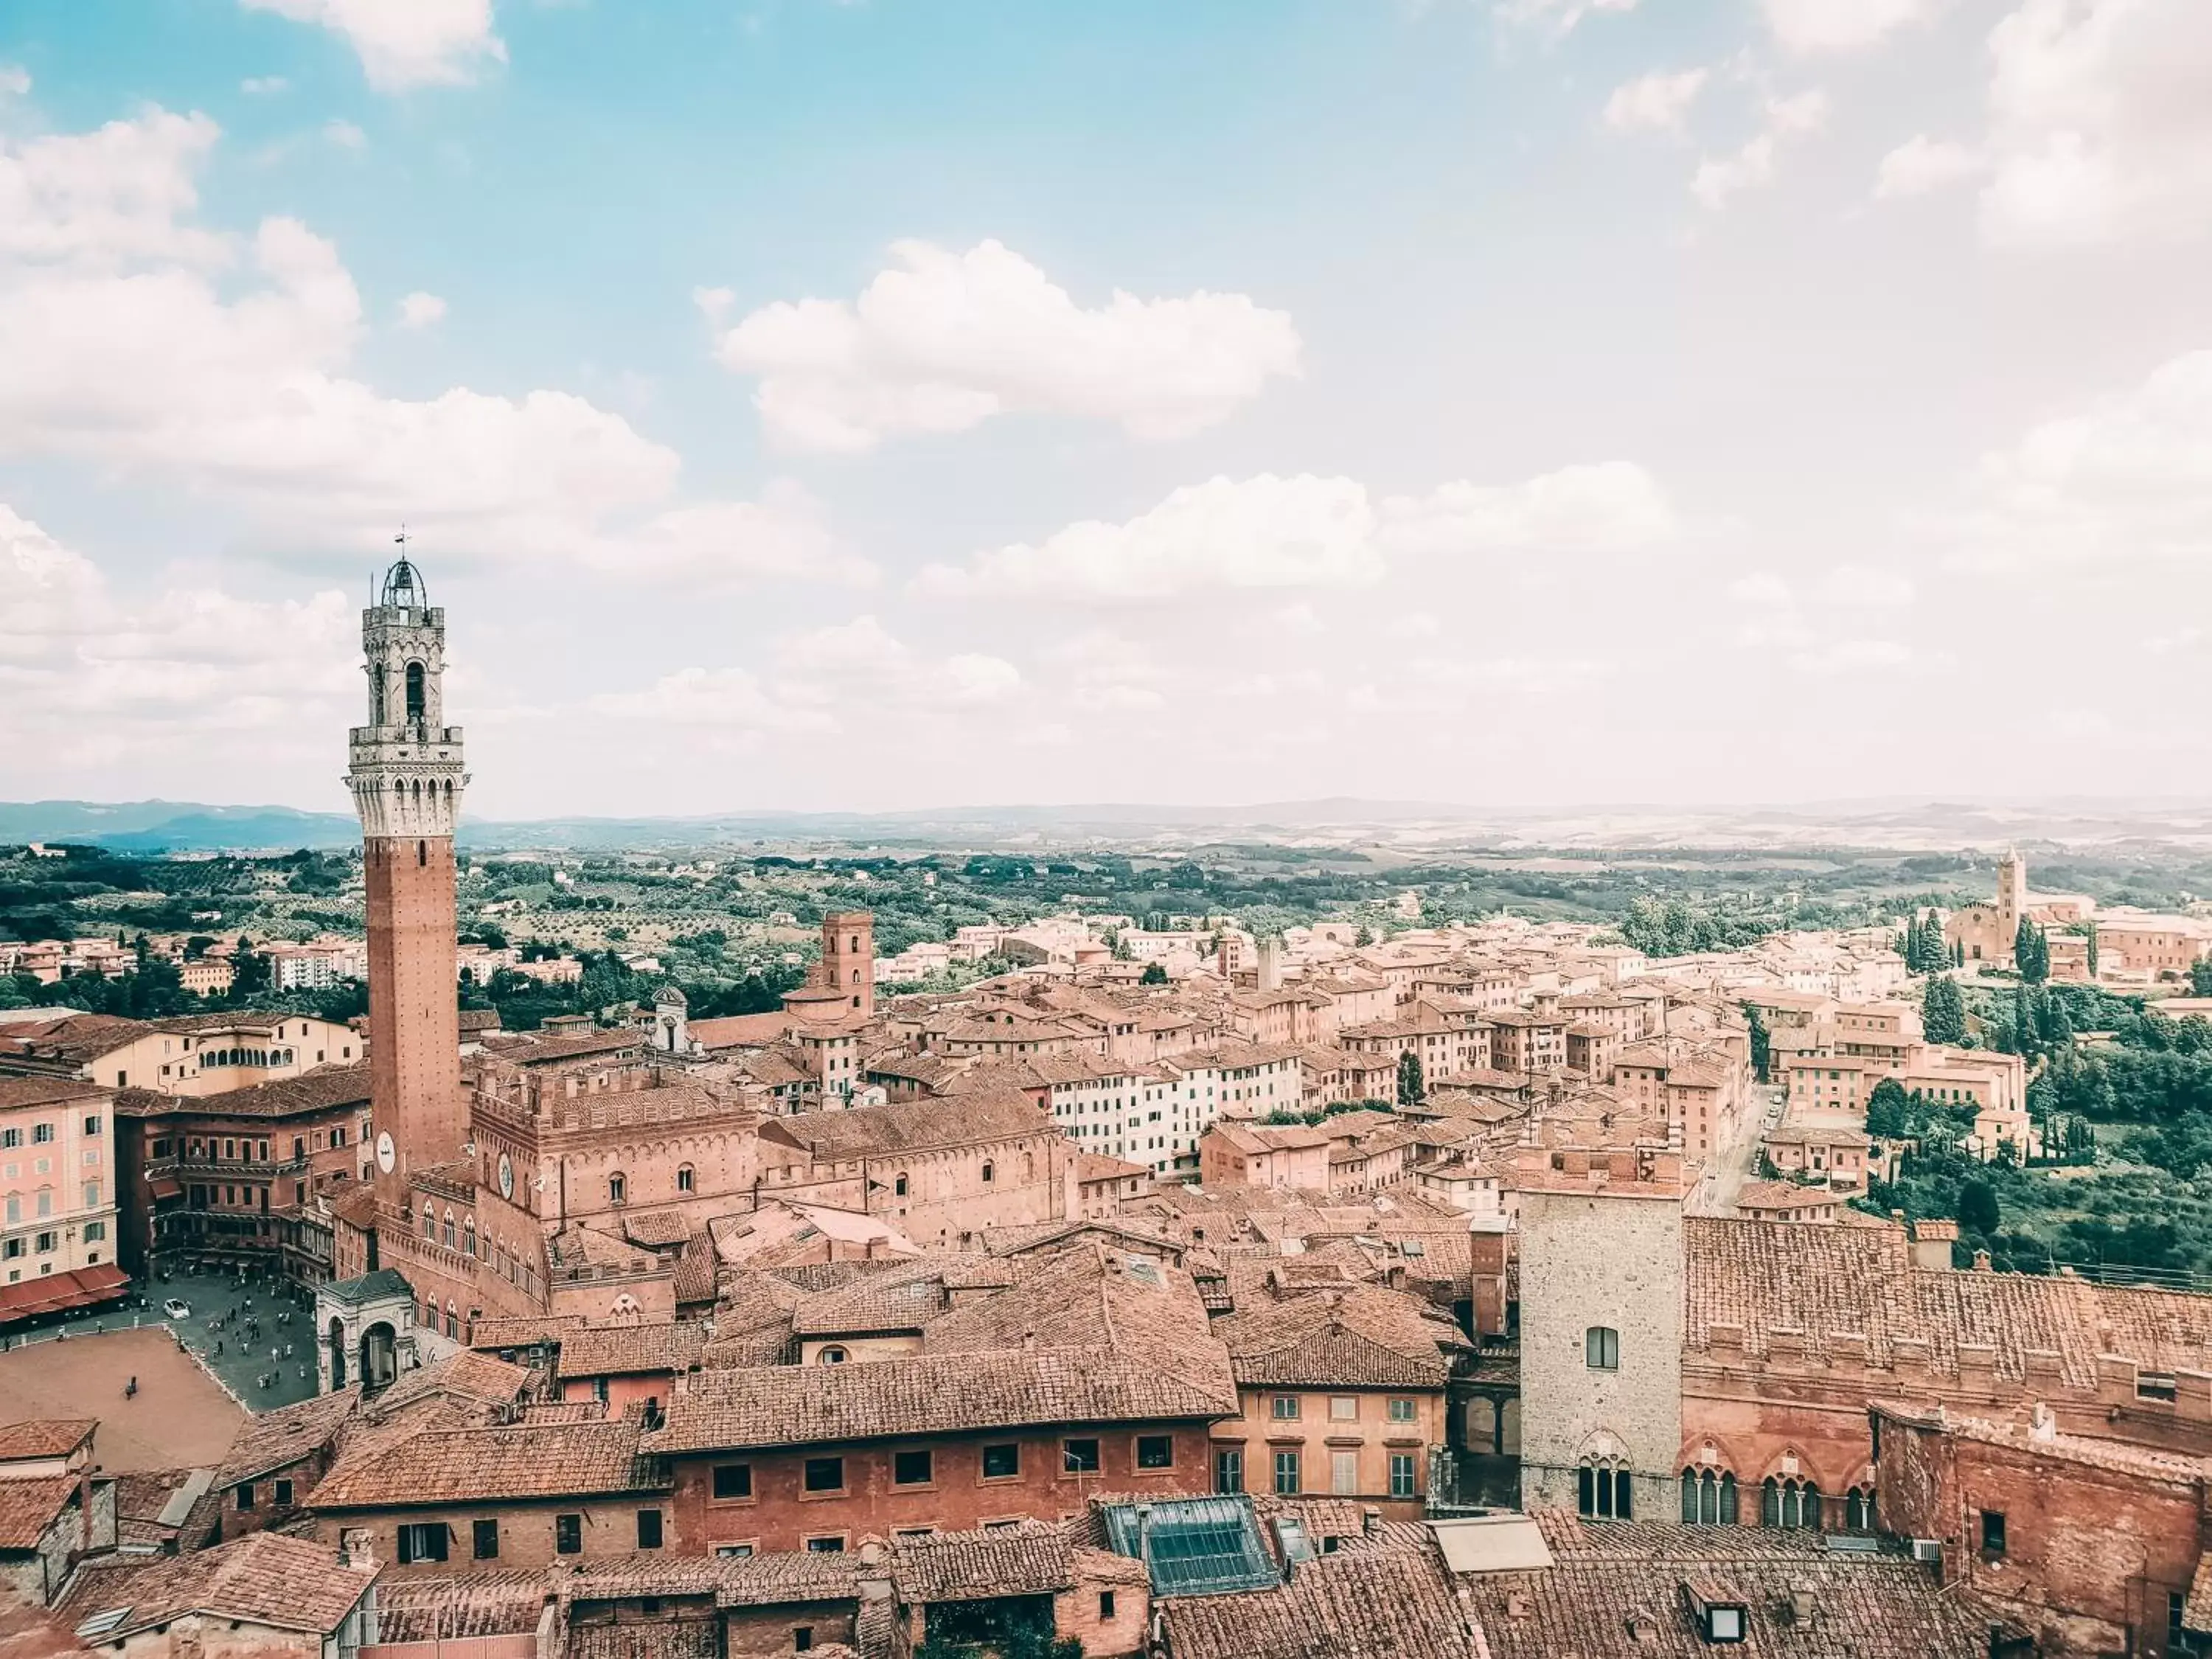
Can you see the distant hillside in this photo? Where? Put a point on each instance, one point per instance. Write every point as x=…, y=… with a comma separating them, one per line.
x=147, y=826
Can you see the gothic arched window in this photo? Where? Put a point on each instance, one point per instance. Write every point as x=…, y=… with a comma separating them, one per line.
x=1858, y=1510
x=449, y=1231
x=415, y=715
x=685, y=1179
x=1789, y=1504
x=618, y=1187
x=1708, y=1500
x=1603, y=1491
x=430, y=1222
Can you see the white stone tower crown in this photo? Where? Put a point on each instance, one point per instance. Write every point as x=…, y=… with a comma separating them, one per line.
x=405, y=770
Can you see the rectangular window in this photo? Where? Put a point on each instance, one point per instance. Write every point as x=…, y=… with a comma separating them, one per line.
x=1227, y=1469
x=283, y=1500
x=1285, y=1408
x=648, y=1529
x=1344, y=1473
x=1002, y=1462
x=825, y=1474
x=1287, y=1474
x=912, y=1468
x=1343, y=1409
x=45, y=1241
x=1993, y=1532
x=1601, y=1348
x=569, y=1535
x=41, y=1133
x=92, y=1125
x=1401, y=1411
x=733, y=1480
x=829, y=1543
x=1155, y=1451
x=245, y=1495
x=422, y=1542
x=483, y=1542
x=1105, y=1604
x=1401, y=1475
x=1078, y=1456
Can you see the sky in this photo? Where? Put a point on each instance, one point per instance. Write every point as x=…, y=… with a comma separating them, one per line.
x=907, y=403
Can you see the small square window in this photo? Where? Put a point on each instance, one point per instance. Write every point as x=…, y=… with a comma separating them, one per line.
x=1002, y=1462
x=912, y=1468
x=825, y=1474
x=1993, y=1532
x=1343, y=1409
x=733, y=1480
x=1401, y=1411
x=1155, y=1451
x=284, y=1494
x=1285, y=1407
x=1079, y=1456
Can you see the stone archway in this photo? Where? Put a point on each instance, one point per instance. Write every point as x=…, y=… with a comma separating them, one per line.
x=380, y=1356
x=338, y=1341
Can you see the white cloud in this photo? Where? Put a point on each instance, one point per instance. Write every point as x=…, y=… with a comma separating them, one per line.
x=2126, y=480
x=1555, y=17
x=1654, y=100
x=886, y=684
x=420, y=310
x=1762, y=589
x=1612, y=507
x=1786, y=119
x=2100, y=122
x=1855, y=656
x=345, y=135
x=1859, y=587
x=1815, y=25
x=15, y=80
x=718, y=544
x=944, y=341
x=123, y=348
x=1261, y=532
x=115, y=194
x=404, y=43
x=1316, y=533
x=1921, y=165
x=262, y=86
x=86, y=679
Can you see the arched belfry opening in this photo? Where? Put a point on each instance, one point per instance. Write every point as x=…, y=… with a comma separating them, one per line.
x=415, y=692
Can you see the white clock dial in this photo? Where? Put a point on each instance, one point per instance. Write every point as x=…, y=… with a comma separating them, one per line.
x=506, y=1177
x=385, y=1154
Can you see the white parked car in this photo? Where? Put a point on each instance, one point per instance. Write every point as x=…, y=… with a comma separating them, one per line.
x=176, y=1308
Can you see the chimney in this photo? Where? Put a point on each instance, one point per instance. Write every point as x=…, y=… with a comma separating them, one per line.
x=357, y=1549
x=1981, y=1261
x=1801, y=1605
x=1370, y=1520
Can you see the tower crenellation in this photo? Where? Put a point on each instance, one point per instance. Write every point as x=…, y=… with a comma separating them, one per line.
x=405, y=770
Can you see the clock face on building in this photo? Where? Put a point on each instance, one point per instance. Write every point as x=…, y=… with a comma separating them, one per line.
x=384, y=1152
x=506, y=1177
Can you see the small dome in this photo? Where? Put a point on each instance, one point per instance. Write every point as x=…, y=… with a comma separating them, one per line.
x=404, y=586
x=669, y=996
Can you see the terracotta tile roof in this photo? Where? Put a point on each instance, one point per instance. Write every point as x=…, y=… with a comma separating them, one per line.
x=933, y=1395
x=1032, y=1559
x=1366, y=1338
x=27, y=1508
x=904, y=1297
x=284, y=1435
x=1762, y=1276
x=262, y=1579
x=911, y=1126
x=2120, y=1456
x=70, y=1039
x=20, y=1092
x=471, y=1465
x=326, y=1088
x=1351, y=1605
x=482, y=1378
x=1621, y=1589
x=693, y=1280
x=503, y=1602
x=655, y=1229
x=661, y=1638
x=629, y=1350
x=1130, y=1303
x=51, y=1437
x=527, y=1332
x=2196, y=1612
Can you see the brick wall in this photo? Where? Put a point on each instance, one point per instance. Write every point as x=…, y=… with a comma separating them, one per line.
x=780, y=1514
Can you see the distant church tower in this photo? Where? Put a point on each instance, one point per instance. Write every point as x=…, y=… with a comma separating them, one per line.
x=407, y=780
x=2012, y=899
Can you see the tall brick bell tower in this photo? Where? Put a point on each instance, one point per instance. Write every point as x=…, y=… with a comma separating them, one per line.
x=407, y=780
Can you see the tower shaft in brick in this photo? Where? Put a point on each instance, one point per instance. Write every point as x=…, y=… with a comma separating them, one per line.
x=407, y=780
